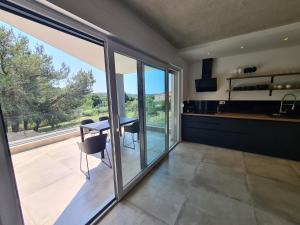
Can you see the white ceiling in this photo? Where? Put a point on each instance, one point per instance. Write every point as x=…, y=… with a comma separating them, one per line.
x=252, y=42
x=86, y=51
x=191, y=28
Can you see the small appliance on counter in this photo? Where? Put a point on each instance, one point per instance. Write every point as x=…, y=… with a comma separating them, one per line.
x=189, y=107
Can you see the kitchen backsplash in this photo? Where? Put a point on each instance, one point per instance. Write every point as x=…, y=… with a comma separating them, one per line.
x=265, y=107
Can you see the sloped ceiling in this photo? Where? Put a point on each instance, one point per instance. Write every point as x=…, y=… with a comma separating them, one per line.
x=192, y=22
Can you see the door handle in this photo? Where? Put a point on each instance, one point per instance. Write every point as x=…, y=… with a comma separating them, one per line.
x=119, y=125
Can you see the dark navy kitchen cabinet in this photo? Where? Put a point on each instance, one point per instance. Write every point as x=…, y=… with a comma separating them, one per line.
x=273, y=138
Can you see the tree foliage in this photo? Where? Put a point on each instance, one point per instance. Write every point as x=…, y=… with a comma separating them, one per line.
x=32, y=89
x=151, y=106
x=97, y=101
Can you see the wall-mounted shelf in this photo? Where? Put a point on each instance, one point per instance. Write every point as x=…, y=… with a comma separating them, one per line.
x=272, y=76
x=245, y=90
x=283, y=89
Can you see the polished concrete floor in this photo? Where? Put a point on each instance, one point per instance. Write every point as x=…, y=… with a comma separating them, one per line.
x=199, y=184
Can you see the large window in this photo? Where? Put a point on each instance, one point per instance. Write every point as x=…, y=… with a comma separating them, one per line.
x=50, y=82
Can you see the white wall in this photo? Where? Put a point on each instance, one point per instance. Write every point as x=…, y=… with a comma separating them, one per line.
x=270, y=61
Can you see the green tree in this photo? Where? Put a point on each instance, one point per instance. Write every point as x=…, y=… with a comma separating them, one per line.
x=97, y=101
x=13, y=52
x=151, y=106
x=32, y=89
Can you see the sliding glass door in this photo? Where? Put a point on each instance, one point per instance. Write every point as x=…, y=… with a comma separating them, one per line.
x=127, y=90
x=155, y=112
x=139, y=113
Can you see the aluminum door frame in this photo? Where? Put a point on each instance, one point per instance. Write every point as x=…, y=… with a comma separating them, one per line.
x=10, y=207
x=177, y=75
x=142, y=59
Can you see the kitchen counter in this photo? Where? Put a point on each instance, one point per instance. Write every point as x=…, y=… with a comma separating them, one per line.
x=254, y=133
x=246, y=116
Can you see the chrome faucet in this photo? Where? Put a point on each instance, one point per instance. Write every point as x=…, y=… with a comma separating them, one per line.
x=283, y=104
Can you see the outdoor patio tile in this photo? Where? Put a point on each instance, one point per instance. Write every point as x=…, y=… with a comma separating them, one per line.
x=27, y=218
x=23, y=160
x=42, y=172
x=61, y=150
x=47, y=204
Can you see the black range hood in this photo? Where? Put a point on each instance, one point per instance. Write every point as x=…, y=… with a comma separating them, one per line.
x=207, y=83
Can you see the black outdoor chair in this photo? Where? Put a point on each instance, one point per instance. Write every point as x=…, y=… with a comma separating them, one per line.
x=133, y=129
x=102, y=118
x=92, y=145
x=87, y=121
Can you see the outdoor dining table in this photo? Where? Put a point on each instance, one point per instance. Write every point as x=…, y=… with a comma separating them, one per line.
x=102, y=126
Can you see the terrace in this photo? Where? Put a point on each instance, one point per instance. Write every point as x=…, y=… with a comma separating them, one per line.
x=53, y=190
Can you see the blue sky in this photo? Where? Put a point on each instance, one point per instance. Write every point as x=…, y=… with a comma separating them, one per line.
x=153, y=78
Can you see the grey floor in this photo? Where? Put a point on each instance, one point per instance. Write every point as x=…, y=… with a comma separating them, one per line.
x=199, y=184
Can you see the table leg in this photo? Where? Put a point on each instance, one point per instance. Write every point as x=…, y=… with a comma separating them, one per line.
x=81, y=134
x=102, y=153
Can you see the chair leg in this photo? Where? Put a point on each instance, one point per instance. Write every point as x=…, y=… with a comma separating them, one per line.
x=87, y=175
x=109, y=165
x=132, y=136
x=87, y=165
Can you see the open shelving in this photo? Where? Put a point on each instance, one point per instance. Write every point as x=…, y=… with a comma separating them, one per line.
x=272, y=76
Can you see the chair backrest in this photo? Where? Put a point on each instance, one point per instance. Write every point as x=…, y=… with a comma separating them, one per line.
x=133, y=128
x=103, y=118
x=87, y=121
x=93, y=144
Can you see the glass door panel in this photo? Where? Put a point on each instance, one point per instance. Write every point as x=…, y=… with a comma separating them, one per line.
x=128, y=111
x=155, y=112
x=173, y=107
x=49, y=89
